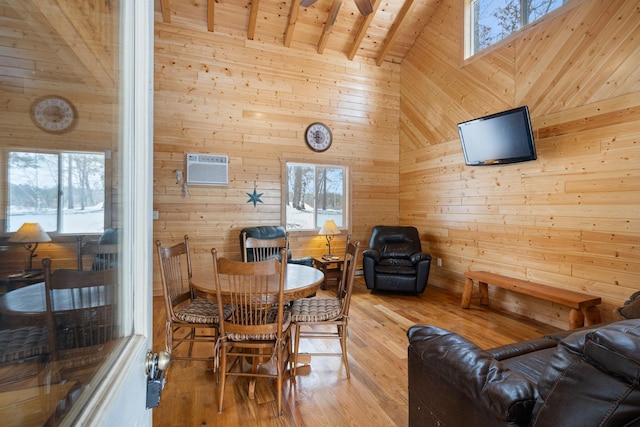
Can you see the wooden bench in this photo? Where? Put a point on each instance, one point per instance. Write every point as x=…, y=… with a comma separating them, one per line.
x=576, y=301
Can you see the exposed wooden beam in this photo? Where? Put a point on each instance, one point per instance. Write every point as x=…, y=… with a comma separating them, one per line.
x=291, y=25
x=166, y=11
x=393, y=33
x=210, y=14
x=328, y=26
x=364, y=26
x=253, y=16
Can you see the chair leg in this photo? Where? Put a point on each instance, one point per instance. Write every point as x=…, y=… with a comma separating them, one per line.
x=222, y=368
x=279, y=363
x=169, y=336
x=296, y=350
x=192, y=336
x=342, y=330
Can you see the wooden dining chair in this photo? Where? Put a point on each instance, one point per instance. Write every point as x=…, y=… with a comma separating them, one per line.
x=258, y=327
x=93, y=255
x=311, y=316
x=81, y=321
x=262, y=249
x=188, y=317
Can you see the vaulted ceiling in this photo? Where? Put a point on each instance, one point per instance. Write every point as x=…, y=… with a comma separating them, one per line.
x=324, y=26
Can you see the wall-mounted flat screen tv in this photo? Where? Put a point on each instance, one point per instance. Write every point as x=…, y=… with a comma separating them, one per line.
x=499, y=138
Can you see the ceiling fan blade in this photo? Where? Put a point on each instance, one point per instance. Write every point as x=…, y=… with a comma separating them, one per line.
x=307, y=3
x=364, y=6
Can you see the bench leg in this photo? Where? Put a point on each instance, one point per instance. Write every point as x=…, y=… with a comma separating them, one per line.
x=484, y=293
x=593, y=315
x=576, y=319
x=466, y=293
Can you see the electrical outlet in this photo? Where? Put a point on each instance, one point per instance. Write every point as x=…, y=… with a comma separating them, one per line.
x=155, y=214
x=439, y=262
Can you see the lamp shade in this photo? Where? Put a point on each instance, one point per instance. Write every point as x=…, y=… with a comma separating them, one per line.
x=329, y=228
x=30, y=232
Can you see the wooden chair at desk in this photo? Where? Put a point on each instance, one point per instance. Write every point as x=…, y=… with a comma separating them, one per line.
x=258, y=327
x=309, y=313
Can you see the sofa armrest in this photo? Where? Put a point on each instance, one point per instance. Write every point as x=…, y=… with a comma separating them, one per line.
x=486, y=383
x=371, y=253
x=416, y=257
x=520, y=348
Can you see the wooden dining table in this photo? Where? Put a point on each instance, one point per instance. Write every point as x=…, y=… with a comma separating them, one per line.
x=27, y=306
x=300, y=281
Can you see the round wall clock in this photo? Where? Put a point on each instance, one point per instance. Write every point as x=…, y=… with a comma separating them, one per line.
x=53, y=114
x=318, y=137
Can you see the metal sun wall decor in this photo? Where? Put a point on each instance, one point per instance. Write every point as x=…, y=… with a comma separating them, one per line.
x=255, y=197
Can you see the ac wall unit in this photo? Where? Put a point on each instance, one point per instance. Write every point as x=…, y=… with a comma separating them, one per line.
x=207, y=169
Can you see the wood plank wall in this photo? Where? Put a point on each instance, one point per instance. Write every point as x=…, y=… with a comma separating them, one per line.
x=64, y=50
x=571, y=219
x=252, y=101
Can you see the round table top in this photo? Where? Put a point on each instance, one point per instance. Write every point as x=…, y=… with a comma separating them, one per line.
x=301, y=281
x=31, y=300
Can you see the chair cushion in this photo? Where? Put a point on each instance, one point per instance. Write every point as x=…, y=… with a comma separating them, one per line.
x=201, y=311
x=272, y=317
x=22, y=343
x=315, y=309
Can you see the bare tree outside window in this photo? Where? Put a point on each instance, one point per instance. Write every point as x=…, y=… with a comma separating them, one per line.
x=493, y=20
x=64, y=192
x=315, y=193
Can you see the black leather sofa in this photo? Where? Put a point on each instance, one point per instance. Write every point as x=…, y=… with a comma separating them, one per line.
x=271, y=232
x=585, y=377
x=394, y=260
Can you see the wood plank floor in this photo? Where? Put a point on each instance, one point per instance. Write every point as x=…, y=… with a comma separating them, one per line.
x=376, y=394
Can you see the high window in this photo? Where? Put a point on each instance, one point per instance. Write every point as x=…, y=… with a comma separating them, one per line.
x=314, y=194
x=492, y=20
x=64, y=192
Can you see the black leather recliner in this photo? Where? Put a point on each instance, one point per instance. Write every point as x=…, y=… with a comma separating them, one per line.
x=271, y=232
x=395, y=261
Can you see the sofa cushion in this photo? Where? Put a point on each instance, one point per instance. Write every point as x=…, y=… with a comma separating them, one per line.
x=593, y=378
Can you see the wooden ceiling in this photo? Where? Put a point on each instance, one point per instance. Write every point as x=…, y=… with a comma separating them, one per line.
x=326, y=26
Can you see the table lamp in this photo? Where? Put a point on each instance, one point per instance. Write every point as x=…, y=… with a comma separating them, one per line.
x=30, y=234
x=329, y=229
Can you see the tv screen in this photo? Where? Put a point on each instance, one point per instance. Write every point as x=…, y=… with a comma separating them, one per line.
x=499, y=138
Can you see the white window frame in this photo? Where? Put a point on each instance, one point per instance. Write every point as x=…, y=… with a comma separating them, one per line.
x=60, y=191
x=470, y=23
x=118, y=400
x=346, y=188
